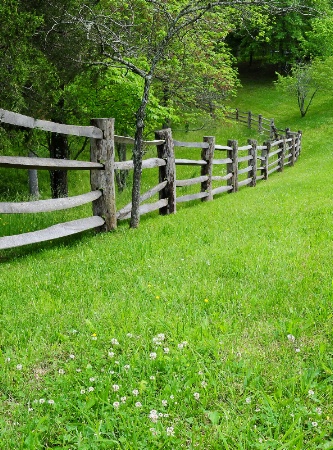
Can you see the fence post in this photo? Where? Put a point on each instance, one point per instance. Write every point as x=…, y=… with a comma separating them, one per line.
x=249, y=119
x=102, y=151
x=207, y=154
x=167, y=172
x=265, y=156
x=260, y=130
x=232, y=167
x=237, y=114
x=272, y=133
x=292, y=157
x=253, y=162
x=299, y=144
x=282, y=154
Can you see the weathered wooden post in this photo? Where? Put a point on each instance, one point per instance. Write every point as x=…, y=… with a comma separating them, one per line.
x=249, y=119
x=232, y=167
x=292, y=157
x=102, y=151
x=237, y=114
x=253, y=162
x=272, y=133
x=264, y=159
x=260, y=127
x=167, y=172
x=298, y=144
x=207, y=154
x=282, y=154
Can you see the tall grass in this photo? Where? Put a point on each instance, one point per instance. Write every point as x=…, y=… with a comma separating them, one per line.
x=208, y=329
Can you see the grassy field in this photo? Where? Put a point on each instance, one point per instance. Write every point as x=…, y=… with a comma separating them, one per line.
x=208, y=329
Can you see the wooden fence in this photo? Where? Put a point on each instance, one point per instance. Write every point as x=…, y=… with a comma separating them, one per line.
x=258, y=122
x=242, y=165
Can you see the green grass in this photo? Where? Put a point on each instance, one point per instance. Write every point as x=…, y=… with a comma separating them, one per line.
x=243, y=283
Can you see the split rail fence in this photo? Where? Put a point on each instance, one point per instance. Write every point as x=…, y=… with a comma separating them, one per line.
x=257, y=121
x=241, y=166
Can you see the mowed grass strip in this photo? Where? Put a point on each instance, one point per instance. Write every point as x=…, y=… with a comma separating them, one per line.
x=208, y=329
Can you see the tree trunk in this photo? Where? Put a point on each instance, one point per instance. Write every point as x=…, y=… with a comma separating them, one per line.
x=59, y=149
x=138, y=153
x=121, y=175
x=33, y=181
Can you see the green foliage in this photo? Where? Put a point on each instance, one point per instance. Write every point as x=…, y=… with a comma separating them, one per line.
x=306, y=79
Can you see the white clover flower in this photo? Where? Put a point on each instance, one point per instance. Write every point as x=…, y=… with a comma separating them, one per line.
x=153, y=431
x=7, y=359
x=30, y=409
x=310, y=392
x=152, y=377
x=135, y=392
x=83, y=391
x=115, y=387
x=61, y=371
x=127, y=367
x=42, y=400
x=204, y=383
x=153, y=355
x=91, y=379
x=71, y=356
x=123, y=399
x=50, y=402
x=116, y=405
x=297, y=350
x=166, y=350
x=196, y=395
x=170, y=431
x=19, y=367
x=314, y=424
x=161, y=336
x=114, y=341
x=79, y=370
x=172, y=397
x=200, y=372
x=248, y=400
x=164, y=403
x=153, y=415
x=291, y=338
x=111, y=354
x=138, y=404
x=116, y=362
x=181, y=345
x=319, y=410
x=91, y=389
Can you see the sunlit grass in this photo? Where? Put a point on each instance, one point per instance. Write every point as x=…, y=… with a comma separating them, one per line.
x=243, y=283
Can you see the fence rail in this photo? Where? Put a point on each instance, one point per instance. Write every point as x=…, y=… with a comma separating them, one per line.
x=242, y=166
x=257, y=121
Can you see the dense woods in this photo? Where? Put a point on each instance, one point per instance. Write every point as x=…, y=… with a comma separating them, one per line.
x=147, y=63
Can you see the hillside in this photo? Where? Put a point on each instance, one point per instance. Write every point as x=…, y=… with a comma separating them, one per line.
x=208, y=329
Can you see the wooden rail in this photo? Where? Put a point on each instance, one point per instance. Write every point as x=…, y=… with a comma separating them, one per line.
x=262, y=124
x=239, y=166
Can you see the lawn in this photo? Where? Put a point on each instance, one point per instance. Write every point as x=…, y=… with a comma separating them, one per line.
x=208, y=329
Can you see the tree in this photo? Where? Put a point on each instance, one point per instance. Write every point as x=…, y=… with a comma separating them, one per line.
x=306, y=79
x=136, y=35
x=281, y=40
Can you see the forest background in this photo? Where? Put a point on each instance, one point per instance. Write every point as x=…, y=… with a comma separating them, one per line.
x=150, y=65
